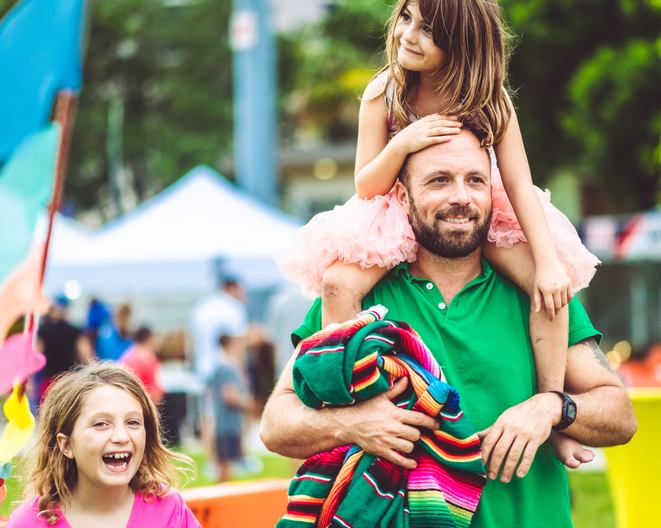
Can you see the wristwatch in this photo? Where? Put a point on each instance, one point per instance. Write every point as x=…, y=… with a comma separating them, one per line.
x=568, y=411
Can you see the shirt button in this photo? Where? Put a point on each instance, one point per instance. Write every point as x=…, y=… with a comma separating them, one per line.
x=429, y=285
x=441, y=306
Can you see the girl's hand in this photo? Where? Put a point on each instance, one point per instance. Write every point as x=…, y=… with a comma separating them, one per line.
x=553, y=288
x=427, y=131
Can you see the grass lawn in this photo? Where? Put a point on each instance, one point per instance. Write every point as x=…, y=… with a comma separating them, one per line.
x=591, y=503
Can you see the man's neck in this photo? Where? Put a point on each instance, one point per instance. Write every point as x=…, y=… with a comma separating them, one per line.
x=449, y=274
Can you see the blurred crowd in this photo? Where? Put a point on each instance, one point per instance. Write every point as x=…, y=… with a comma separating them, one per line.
x=213, y=390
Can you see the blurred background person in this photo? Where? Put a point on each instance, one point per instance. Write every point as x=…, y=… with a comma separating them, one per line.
x=223, y=312
x=141, y=359
x=114, y=334
x=230, y=401
x=260, y=363
x=97, y=315
x=63, y=344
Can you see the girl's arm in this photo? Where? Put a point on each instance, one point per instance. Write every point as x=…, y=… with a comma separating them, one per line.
x=378, y=161
x=552, y=285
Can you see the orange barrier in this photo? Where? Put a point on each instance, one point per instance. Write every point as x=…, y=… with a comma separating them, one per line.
x=253, y=504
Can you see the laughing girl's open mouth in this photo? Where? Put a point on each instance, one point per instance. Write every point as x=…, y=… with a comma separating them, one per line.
x=117, y=461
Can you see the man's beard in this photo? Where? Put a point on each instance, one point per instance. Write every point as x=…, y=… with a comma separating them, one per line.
x=448, y=243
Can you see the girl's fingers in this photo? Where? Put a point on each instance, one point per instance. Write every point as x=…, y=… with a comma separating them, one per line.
x=557, y=299
x=538, y=301
x=550, y=306
x=435, y=140
x=441, y=131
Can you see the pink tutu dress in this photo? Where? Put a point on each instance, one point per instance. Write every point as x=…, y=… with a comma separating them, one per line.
x=376, y=232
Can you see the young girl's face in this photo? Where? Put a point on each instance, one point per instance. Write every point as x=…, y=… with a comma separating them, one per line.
x=416, y=50
x=108, y=439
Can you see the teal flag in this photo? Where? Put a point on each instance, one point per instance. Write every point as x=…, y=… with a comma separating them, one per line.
x=26, y=185
x=40, y=54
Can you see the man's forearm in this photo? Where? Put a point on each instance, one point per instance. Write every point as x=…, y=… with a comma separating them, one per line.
x=605, y=417
x=291, y=429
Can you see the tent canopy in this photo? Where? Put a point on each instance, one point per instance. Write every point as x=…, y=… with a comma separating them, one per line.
x=177, y=241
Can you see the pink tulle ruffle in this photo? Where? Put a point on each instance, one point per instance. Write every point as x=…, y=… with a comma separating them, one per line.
x=377, y=232
x=505, y=231
x=373, y=232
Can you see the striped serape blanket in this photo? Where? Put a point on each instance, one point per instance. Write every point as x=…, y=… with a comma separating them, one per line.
x=347, y=487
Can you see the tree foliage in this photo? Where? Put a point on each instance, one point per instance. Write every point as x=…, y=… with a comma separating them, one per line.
x=171, y=69
x=586, y=75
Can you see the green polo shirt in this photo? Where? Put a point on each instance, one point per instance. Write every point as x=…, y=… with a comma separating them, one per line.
x=481, y=340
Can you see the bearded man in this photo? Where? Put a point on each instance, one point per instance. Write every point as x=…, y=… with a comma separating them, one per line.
x=475, y=322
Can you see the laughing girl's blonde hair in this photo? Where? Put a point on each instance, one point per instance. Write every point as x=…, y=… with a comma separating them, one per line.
x=52, y=476
x=471, y=80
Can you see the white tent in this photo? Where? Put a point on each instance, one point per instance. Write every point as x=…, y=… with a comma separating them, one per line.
x=179, y=241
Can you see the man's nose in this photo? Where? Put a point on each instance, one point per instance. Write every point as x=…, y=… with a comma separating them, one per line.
x=459, y=194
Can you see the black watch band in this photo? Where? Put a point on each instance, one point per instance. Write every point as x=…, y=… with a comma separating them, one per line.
x=568, y=411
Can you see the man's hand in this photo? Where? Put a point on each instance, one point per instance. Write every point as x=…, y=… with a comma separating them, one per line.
x=381, y=428
x=517, y=434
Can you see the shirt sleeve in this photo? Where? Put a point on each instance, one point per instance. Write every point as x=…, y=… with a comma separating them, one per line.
x=580, y=326
x=182, y=516
x=311, y=324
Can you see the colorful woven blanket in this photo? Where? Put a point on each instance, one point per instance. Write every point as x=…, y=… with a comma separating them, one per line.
x=347, y=487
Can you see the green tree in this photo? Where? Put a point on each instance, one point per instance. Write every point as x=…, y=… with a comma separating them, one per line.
x=553, y=70
x=170, y=68
x=616, y=118
x=330, y=64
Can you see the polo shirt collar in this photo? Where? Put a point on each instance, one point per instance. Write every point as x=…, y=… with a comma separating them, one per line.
x=402, y=271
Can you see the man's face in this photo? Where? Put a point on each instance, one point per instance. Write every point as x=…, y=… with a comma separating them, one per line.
x=449, y=196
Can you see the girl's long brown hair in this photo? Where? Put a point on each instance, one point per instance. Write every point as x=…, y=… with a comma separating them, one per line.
x=52, y=476
x=471, y=81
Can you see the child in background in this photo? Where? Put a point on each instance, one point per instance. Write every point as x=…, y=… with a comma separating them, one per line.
x=230, y=401
x=447, y=66
x=141, y=359
x=98, y=459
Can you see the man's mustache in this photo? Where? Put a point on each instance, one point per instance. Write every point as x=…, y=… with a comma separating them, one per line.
x=455, y=211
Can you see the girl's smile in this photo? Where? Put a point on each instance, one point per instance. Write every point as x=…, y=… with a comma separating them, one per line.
x=108, y=439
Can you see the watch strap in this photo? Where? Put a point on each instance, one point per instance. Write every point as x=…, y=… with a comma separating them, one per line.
x=566, y=419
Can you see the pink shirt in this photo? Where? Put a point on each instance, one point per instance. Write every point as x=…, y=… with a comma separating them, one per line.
x=161, y=512
x=144, y=364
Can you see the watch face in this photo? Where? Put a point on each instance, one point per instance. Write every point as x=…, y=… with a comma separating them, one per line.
x=571, y=412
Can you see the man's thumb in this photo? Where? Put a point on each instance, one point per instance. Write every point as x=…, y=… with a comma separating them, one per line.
x=397, y=388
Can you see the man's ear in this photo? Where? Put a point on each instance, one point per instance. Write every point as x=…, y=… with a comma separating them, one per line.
x=64, y=445
x=402, y=195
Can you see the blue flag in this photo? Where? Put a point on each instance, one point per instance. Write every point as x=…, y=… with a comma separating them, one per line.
x=40, y=54
x=26, y=186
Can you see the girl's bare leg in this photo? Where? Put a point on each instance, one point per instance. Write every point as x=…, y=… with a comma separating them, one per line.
x=343, y=288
